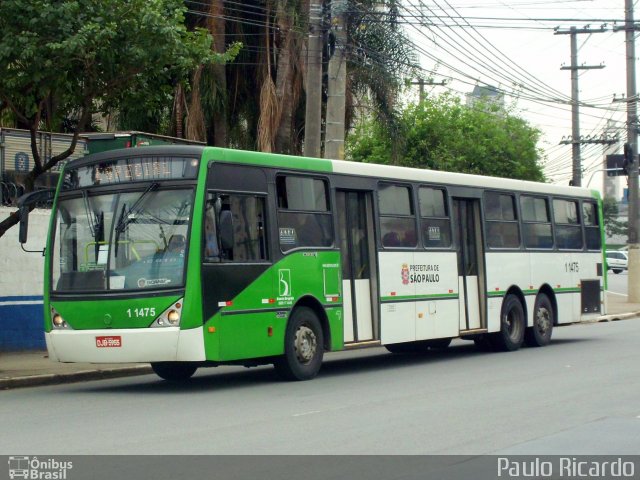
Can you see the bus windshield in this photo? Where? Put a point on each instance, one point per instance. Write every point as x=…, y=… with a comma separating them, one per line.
x=134, y=240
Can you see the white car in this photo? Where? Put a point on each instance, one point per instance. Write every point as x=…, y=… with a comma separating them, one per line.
x=617, y=261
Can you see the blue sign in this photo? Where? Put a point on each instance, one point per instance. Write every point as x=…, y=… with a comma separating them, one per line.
x=22, y=162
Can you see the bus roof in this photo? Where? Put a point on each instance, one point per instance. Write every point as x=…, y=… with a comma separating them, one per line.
x=383, y=172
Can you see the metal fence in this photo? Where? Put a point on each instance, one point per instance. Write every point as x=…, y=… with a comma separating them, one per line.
x=16, y=159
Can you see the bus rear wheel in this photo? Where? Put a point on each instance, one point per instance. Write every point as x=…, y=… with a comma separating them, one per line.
x=303, y=347
x=174, y=371
x=512, y=325
x=539, y=335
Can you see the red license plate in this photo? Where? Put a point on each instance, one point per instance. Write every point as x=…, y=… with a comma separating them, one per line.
x=114, y=341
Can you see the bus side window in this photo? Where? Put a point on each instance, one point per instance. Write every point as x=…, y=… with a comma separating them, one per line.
x=536, y=222
x=591, y=225
x=234, y=228
x=567, y=223
x=211, y=247
x=304, y=215
x=434, y=217
x=397, y=216
x=501, y=220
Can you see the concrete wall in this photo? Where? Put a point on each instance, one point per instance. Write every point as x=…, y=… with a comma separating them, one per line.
x=21, y=285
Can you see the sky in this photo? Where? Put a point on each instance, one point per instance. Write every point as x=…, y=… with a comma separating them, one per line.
x=511, y=45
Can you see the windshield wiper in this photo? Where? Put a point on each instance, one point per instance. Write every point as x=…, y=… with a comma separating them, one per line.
x=95, y=222
x=126, y=216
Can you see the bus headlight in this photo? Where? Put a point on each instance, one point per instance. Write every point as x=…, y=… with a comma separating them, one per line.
x=173, y=317
x=58, y=322
x=170, y=317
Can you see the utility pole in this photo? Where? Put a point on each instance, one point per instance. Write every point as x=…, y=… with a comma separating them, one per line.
x=633, y=278
x=313, y=108
x=610, y=184
x=337, y=84
x=575, y=109
x=421, y=82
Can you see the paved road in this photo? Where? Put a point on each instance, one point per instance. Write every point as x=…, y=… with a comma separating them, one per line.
x=618, y=283
x=577, y=396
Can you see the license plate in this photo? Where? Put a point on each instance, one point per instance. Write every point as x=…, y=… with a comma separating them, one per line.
x=109, y=342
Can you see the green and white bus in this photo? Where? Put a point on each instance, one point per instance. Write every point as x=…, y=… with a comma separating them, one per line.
x=191, y=256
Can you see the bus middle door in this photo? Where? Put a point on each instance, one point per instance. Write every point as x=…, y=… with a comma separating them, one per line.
x=471, y=268
x=357, y=248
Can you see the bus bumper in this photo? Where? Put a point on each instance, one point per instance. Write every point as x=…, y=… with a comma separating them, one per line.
x=126, y=345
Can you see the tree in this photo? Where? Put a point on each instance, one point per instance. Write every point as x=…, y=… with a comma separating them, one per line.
x=443, y=134
x=258, y=101
x=71, y=59
x=612, y=225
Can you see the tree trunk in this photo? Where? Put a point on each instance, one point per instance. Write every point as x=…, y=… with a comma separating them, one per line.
x=217, y=29
x=178, y=111
x=284, y=84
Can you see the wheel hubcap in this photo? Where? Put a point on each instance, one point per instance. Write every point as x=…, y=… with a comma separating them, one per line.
x=305, y=344
x=543, y=320
x=512, y=324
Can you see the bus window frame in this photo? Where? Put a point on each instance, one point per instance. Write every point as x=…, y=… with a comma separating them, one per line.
x=597, y=224
x=449, y=217
x=549, y=206
x=132, y=187
x=413, y=199
x=267, y=242
x=578, y=201
x=515, y=196
x=329, y=212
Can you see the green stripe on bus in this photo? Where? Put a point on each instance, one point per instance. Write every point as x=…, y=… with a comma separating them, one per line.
x=273, y=160
x=502, y=293
x=435, y=296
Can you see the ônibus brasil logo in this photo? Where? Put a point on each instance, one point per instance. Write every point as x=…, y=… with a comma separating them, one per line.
x=36, y=469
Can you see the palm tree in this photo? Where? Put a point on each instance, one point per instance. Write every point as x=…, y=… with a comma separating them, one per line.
x=256, y=102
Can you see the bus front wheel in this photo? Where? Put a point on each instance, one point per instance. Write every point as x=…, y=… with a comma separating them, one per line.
x=512, y=325
x=303, y=347
x=174, y=371
x=539, y=334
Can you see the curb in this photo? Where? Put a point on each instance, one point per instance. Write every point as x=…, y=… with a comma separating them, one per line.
x=81, y=376
x=618, y=316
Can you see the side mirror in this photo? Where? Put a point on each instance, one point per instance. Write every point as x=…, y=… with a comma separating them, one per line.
x=226, y=230
x=24, y=205
x=24, y=223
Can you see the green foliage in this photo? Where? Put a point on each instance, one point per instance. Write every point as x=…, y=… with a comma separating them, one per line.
x=75, y=56
x=443, y=134
x=380, y=55
x=612, y=225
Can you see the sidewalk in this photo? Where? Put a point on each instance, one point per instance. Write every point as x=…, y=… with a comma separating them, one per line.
x=33, y=368
x=27, y=369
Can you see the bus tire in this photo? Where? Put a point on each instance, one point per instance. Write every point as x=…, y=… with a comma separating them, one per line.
x=174, y=371
x=617, y=270
x=539, y=335
x=512, y=325
x=303, y=346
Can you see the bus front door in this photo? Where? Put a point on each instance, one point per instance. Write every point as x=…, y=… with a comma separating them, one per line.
x=357, y=248
x=471, y=279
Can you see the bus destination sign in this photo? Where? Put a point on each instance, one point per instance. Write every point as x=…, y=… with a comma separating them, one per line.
x=128, y=170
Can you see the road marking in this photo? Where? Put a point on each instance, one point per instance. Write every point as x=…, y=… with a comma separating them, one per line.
x=616, y=293
x=306, y=413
